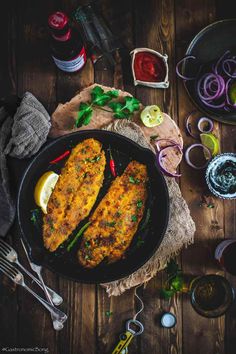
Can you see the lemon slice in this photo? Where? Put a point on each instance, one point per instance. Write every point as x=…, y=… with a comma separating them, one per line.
x=151, y=116
x=211, y=142
x=44, y=188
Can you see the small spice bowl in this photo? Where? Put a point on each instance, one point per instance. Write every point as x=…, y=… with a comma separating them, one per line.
x=150, y=68
x=221, y=176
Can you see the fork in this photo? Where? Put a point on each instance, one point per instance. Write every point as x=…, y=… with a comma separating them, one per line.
x=10, y=254
x=17, y=277
x=38, y=270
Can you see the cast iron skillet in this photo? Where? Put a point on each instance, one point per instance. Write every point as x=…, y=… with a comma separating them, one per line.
x=207, y=46
x=147, y=238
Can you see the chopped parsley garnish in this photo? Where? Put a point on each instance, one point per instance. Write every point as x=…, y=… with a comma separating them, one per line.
x=108, y=313
x=35, y=216
x=87, y=257
x=87, y=244
x=134, y=180
x=139, y=204
x=134, y=218
x=50, y=222
x=93, y=159
x=110, y=224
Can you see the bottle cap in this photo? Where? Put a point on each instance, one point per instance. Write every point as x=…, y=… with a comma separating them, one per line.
x=168, y=320
x=58, y=20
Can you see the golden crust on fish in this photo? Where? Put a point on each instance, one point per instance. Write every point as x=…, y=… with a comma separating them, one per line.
x=116, y=219
x=75, y=192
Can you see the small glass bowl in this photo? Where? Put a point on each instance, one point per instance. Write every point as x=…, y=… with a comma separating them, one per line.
x=212, y=171
x=220, y=295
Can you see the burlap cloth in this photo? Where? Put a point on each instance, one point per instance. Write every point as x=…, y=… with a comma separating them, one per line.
x=180, y=230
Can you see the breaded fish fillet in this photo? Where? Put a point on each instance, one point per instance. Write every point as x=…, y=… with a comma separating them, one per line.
x=75, y=192
x=116, y=219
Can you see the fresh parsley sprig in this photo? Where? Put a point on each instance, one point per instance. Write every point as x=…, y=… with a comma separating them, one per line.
x=174, y=282
x=99, y=99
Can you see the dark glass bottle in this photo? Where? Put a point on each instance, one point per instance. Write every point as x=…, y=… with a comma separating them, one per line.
x=66, y=44
x=225, y=254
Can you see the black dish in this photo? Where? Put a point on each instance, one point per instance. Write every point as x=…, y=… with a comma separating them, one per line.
x=145, y=241
x=208, y=46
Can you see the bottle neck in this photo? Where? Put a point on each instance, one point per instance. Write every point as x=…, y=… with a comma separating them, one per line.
x=62, y=38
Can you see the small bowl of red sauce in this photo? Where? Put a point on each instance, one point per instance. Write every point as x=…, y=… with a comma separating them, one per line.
x=149, y=68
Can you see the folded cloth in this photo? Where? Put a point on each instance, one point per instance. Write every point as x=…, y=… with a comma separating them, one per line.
x=21, y=136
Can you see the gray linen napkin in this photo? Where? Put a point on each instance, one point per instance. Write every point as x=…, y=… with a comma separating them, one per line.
x=21, y=136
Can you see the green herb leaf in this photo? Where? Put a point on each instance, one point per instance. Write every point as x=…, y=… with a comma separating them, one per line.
x=101, y=98
x=134, y=180
x=80, y=233
x=134, y=218
x=124, y=109
x=131, y=104
x=35, y=216
x=110, y=224
x=84, y=115
x=167, y=294
x=139, y=204
x=177, y=283
x=108, y=313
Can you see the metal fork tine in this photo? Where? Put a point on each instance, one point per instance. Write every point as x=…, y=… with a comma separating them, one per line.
x=7, y=272
x=3, y=251
x=3, y=244
x=8, y=265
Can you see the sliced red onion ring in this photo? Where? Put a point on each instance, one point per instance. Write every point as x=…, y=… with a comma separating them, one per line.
x=207, y=93
x=216, y=67
x=205, y=120
x=187, y=153
x=211, y=105
x=172, y=142
x=227, y=68
x=188, y=125
x=161, y=155
x=178, y=65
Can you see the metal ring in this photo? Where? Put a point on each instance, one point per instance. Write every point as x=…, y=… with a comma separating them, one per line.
x=138, y=324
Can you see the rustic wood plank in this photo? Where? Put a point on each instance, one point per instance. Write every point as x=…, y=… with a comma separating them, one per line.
x=8, y=79
x=156, y=30
x=79, y=333
x=122, y=307
x=198, y=332
x=228, y=145
x=36, y=73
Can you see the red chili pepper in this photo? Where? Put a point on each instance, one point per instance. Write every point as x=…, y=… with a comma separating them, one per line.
x=112, y=165
x=59, y=158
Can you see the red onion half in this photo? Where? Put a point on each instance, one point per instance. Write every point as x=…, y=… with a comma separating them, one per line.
x=187, y=155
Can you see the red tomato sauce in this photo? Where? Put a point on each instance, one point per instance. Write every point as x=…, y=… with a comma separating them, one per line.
x=149, y=67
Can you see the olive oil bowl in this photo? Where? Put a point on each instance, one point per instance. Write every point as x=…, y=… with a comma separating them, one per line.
x=221, y=176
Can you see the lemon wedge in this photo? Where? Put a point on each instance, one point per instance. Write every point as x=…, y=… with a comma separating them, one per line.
x=211, y=142
x=44, y=188
x=151, y=116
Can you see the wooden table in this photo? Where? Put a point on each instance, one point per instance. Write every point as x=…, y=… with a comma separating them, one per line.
x=167, y=26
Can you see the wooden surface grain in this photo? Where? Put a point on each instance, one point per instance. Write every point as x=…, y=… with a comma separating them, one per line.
x=25, y=64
